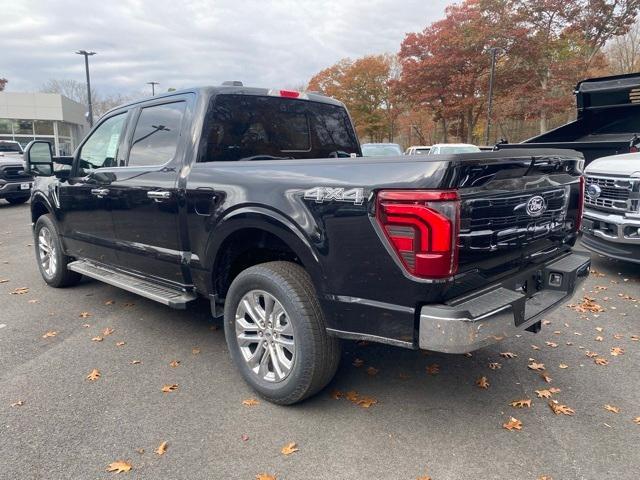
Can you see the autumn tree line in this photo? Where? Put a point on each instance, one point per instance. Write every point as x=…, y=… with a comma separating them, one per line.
x=435, y=88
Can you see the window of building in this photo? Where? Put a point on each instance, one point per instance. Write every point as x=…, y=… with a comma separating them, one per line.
x=101, y=149
x=43, y=127
x=23, y=127
x=155, y=139
x=5, y=127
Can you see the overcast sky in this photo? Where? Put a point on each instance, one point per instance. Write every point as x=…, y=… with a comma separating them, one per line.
x=183, y=43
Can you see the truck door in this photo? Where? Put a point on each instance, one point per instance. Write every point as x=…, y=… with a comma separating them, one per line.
x=145, y=197
x=85, y=199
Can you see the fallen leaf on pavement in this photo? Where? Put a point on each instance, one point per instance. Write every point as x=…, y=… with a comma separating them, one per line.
x=93, y=375
x=559, y=408
x=372, y=371
x=250, y=402
x=538, y=367
x=482, y=382
x=358, y=362
x=244, y=437
x=96, y=339
x=107, y=331
x=352, y=396
x=289, y=448
x=636, y=420
x=615, y=351
x=588, y=305
x=513, y=424
x=119, y=466
x=563, y=365
x=120, y=344
x=366, y=402
x=50, y=334
x=174, y=363
x=601, y=361
x=545, y=376
x=265, y=476
x=136, y=362
x=195, y=351
x=169, y=388
x=336, y=394
x=591, y=354
x=508, y=355
x=109, y=302
x=19, y=403
x=140, y=451
x=535, y=347
x=551, y=344
x=548, y=392
x=524, y=403
x=4, y=280
x=19, y=291
x=33, y=300
x=612, y=408
x=598, y=338
x=495, y=365
x=85, y=314
x=162, y=448
x=433, y=369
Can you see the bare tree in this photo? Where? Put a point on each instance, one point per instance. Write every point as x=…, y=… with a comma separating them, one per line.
x=623, y=52
x=3, y=82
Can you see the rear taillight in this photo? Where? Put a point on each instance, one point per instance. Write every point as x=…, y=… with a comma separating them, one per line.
x=580, y=204
x=422, y=228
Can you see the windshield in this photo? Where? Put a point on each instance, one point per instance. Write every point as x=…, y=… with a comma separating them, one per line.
x=381, y=150
x=251, y=127
x=457, y=149
x=10, y=147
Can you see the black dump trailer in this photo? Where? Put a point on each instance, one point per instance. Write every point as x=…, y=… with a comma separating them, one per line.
x=608, y=120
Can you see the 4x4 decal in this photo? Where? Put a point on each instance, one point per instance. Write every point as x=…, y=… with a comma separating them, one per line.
x=337, y=194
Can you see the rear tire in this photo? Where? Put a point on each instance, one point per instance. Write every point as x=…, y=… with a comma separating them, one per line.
x=294, y=333
x=17, y=200
x=52, y=262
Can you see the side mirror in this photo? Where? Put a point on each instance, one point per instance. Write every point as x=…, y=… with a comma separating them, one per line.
x=39, y=159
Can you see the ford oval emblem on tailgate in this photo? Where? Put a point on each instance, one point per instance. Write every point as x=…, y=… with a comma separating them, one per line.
x=536, y=206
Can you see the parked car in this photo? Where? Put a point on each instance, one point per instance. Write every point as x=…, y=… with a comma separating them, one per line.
x=608, y=120
x=611, y=224
x=418, y=150
x=381, y=150
x=15, y=183
x=228, y=193
x=441, y=148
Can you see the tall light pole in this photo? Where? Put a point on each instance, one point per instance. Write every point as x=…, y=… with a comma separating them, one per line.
x=86, y=67
x=494, y=53
x=153, y=87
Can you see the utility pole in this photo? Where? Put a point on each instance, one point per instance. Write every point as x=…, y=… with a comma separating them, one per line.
x=494, y=52
x=153, y=87
x=86, y=68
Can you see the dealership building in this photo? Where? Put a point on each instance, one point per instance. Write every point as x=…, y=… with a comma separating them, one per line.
x=42, y=116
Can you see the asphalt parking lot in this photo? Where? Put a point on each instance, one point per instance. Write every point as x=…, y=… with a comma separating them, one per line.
x=429, y=421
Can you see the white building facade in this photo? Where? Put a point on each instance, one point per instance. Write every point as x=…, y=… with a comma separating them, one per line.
x=42, y=116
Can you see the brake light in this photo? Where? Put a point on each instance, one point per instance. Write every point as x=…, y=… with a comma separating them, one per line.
x=580, y=204
x=633, y=149
x=288, y=94
x=422, y=228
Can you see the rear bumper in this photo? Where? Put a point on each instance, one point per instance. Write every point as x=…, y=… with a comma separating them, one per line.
x=14, y=189
x=486, y=317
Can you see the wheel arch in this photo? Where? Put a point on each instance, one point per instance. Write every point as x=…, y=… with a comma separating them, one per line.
x=253, y=235
x=40, y=206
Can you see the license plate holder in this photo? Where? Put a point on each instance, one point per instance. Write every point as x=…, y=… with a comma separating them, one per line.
x=25, y=186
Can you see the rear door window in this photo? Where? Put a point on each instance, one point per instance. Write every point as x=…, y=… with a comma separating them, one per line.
x=251, y=127
x=155, y=138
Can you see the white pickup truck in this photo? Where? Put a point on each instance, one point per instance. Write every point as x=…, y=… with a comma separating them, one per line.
x=611, y=224
x=15, y=183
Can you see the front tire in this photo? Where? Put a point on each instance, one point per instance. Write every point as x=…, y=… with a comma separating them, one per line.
x=52, y=262
x=276, y=334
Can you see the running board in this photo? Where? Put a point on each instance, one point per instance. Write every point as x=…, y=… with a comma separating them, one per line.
x=169, y=296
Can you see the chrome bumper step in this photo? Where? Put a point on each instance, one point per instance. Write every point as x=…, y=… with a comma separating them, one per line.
x=172, y=297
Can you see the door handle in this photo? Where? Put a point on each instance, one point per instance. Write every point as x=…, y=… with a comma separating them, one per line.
x=100, y=192
x=159, y=196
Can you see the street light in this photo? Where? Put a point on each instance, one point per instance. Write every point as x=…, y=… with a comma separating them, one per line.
x=153, y=87
x=494, y=51
x=86, y=67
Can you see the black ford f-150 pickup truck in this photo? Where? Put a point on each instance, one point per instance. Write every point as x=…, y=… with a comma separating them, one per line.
x=260, y=201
